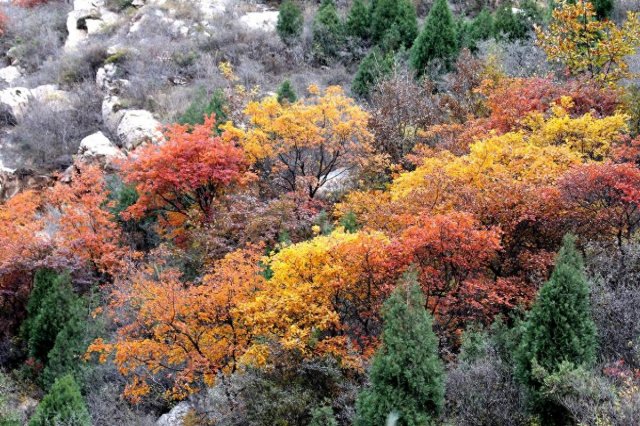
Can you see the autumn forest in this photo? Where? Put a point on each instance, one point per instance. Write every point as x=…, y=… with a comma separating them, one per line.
x=446, y=237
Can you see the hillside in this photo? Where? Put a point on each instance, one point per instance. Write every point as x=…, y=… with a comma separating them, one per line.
x=335, y=212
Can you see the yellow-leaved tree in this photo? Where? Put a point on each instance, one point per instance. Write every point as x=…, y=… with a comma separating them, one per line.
x=307, y=143
x=586, y=45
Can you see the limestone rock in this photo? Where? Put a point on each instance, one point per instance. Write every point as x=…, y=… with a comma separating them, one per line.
x=175, y=416
x=97, y=147
x=13, y=104
x=10, y=74
x=137, y=127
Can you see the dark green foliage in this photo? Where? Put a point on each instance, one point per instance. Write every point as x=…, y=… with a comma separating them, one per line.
x=437, y=41
x=394, y=15
x=63, y=405
x=350, y=222
x=373, y=68
x=286, y=93
x=407, y=377
x=559, y=327
x=43, y=282
x=510, y=26
x=464, y=34
x=54, y=305
x=323, y=416
x=202, y=106
x=358, y=21
x=482, y=25
x=328, y=33
x=70, y=346
x=290, y=22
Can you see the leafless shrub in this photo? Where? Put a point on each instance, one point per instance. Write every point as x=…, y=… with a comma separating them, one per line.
x=615, y=301
x=520, y=58
x=483, y=392
x=33, y=35
x=50, y=133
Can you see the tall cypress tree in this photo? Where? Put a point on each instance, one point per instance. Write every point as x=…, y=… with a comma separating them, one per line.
x=394, y=15
x=559, y=327
x=290, y=22
x=407, y=377
x=437, y=41
x=373, y=68
x=63, y=405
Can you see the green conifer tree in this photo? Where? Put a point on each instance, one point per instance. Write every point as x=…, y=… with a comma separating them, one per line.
x=201, y=107
x=328, y=33
x=286, y=93
x=510, y=26
x=53, y=313
x=290, y=22
x=407, y=377
x=63, y=405
x=43, y=281
x=396, y=15
x=482, y=25
x=437, y=41
x=71, y=344
x=559, y=328
x=373, y=68
x=358, y=23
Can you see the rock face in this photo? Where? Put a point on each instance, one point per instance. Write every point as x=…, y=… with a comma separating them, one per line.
x=137, y=127
x=13, y=104
x=338, y=181
x=11, y=183
x=265, y=21
x=98, y=148
x=10, y=74
x=175, y=416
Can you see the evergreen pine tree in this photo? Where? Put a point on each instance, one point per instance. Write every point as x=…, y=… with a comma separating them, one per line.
x=437, y=41
x=290, y=22
x=559, y=327
x=323, y=416
x=374, y=67
x=328, y=33
x=286, y=93
x=54, y=310
x=394, y=15
x=71, y=344
x=201, y=107
x=43, y=281
x=482, y=25
x=63, y=405
x=358, y=24
x=407, y=377
x=510, y=26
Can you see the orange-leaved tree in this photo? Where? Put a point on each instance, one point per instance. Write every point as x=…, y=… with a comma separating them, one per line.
x=86, y=230
x=180, y=178
x=184, y=332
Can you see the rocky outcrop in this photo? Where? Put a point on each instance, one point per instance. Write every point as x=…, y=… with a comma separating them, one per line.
x=176, y=415
x=88, y=17
x=137, y=127
x=13, y=104
x=12, y=183
x=98, y=148
x=263, y=21
x=10, y=74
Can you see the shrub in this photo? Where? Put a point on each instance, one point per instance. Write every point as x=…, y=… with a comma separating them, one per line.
x=290, y=22
x=62, y=405
x=407, y=377
x=481, y=388
x=437, y=41
x=374, y=68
